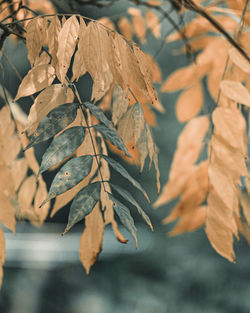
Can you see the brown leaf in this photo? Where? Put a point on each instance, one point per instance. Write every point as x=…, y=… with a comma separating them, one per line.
x=239, y=60
x=18, y=169
x=26, y=195
x=46, y=101
x=53, y=32
x=142, y=62
x=154, y=69
x=67, y=39
x=79, y=67
x=189, y=103
x=38, y=78
x=125, y=28
x=91, y=239
x=138, y=23
x=35, y=36
x=153, y=23
x=235, y=91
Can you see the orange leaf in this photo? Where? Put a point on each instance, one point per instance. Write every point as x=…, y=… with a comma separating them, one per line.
x=189, y=103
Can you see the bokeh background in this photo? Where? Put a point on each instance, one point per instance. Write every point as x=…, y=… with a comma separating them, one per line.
x=182, y=274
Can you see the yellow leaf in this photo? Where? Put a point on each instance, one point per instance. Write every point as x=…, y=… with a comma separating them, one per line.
x=35, y=36
x=67, y=39
x=91, y=239
x=189, y=103
x=38, y=78
x=41, y=195
x=18, y=170
x=235, y=91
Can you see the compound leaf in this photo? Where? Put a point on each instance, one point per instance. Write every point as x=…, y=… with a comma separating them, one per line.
x=83, y=204
x=62, y=146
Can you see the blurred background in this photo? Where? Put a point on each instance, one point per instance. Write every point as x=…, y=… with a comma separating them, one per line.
x=182, y=274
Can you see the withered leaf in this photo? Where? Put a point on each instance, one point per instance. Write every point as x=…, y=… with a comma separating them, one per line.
x=125, y=217
x=83, y=204
x=125, y=27
x=113, y=137
x=67, y=39
x=53, y=123
x=189, y=103
x=70, y=175
x=153, y=23
x=62, y=146
x=2, y=254
x=38, y=78
x=53, y=31
x=120, y=169
x=91, y=239
x=46, y=101
x=35, y=36
x=235, y=91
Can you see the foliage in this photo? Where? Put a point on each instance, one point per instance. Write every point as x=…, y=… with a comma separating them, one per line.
x=212, y=189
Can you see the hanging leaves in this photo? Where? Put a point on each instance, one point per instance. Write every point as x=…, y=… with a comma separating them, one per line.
x=67, y=39
x=83, y=204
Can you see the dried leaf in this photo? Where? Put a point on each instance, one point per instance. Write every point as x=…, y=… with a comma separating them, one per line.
x=91, y=239
x=35, y=36
x=153, y=23
x=46, y=101
x=239, y=60
x=67, y=39
x=119, y=104
x=189, y=103
x=154, y=69
x=235, y=91
x=53, y=32
x=125, y=28
x=79, y=67
x=26, y=195
x=38, y=78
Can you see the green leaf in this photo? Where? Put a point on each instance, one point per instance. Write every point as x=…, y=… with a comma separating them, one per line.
x=74, y=171
x=62, y=146
x=120, y=169
x=83, y=204
x=113, y=137
x=98, y=113
x=124, y=216
x=127, y=196
x=53, y=123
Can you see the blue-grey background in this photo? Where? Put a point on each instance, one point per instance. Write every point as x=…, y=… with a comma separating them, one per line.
x=164, y=275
